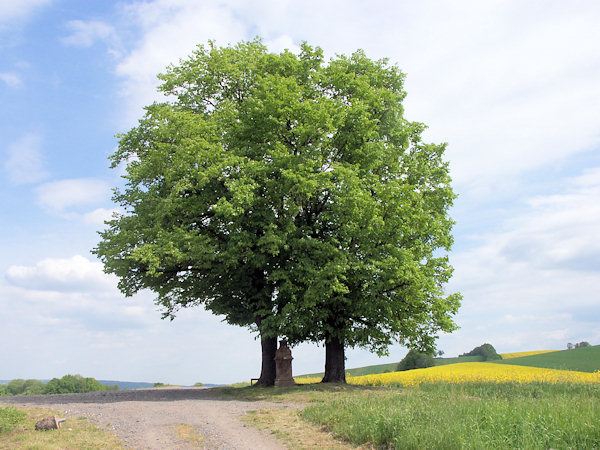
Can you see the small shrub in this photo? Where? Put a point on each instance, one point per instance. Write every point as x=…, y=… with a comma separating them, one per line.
x=71, y=384
x=416, y=360
x=487, y=351
x=15, y=387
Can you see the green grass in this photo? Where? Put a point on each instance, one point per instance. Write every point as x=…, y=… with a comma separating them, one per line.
x=585, y=359
x=10, y=418
x=478, y=416
x=17, y=430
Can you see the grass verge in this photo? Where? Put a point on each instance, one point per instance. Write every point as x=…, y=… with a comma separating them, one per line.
x=289, y=427
x=17, y=430
x=475, y=416
x=434, y=416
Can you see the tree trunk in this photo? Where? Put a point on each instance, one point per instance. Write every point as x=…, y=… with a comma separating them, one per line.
x=268, y=372
x=335, y=361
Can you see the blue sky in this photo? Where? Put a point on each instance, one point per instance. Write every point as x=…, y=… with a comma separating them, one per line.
x=512, y=86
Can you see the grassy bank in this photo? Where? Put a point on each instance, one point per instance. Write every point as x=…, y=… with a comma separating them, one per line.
x=584, y=359
x=17, y=430
x=448, y=416
x=466, y=416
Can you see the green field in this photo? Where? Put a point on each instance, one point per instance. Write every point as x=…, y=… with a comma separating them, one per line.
x=440, y=415
x=367, y=370
x=461, y=359
x=477, y=416
x=585, y=359
x=392, y=367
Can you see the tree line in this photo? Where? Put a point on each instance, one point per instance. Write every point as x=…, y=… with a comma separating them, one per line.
x=289, y=195
x=68, y=384
x=571, y=346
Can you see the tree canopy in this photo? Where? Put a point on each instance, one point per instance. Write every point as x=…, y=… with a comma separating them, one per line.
x=486, y=351
x=415, y=360
x=289, y=195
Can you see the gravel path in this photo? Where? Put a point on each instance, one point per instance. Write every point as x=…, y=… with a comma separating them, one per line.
x=148, y=418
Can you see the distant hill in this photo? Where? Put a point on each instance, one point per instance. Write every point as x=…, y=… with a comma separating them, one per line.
x=584, y=359
x=392, y=367
x=459, y=359
x=521, y=354
x=127, y=384
x=122, y=384
x=367, y=370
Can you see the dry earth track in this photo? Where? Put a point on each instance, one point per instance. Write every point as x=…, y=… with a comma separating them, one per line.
x=148, y=418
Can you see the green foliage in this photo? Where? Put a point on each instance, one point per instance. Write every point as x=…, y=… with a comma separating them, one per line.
x=159, y=384
x=582, y=344
x=486, y=351
x=15, y=387
x=477, y=416
x=416, y=360
x=289, y=195
x=198, y=384
x=583, y=359
x=23, y=387
x=10, y=418
x=65, y=385
x=70, y=384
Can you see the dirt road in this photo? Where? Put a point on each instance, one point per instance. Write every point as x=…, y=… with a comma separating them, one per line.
x=156, y=418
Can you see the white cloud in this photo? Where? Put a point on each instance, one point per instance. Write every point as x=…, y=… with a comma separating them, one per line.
x=61, y=196
x=62, y=327
x=11, y=79
x=24, y=163
x=75, y=274
x=98, y=216
x=12, y=10
x=281, y=43
x=85, y=34
x=534, y=278
x=559, y=230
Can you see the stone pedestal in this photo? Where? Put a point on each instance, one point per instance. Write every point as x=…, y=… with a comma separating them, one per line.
x=283, y=365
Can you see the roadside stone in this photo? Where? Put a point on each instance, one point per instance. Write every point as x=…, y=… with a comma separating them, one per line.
x=49, y=423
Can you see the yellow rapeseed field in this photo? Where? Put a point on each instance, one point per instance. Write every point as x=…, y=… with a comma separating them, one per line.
x=519, y=354
x=470, y=372
x=477, y=372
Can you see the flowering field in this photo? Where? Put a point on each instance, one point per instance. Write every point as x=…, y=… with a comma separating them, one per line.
x=521, y=354
x=473, y=372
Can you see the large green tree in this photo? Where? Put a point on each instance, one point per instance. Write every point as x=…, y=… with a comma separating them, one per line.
x=369, y=269
x=289, y=195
